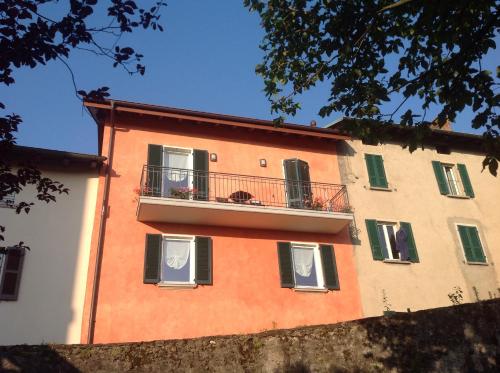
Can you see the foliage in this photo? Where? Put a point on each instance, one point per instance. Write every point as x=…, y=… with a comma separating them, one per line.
x=30, y=36
x=456, y=296
x=385, y=302
x=183, y=193
x=382, y=53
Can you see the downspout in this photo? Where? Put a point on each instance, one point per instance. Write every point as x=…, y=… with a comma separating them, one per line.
x=102, y=227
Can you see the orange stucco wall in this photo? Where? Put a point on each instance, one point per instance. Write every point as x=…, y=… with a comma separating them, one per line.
x=246, y=295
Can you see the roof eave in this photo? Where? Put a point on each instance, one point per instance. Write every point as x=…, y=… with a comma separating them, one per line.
x=211, y=118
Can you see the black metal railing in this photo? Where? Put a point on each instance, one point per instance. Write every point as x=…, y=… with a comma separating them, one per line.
x=219, y=187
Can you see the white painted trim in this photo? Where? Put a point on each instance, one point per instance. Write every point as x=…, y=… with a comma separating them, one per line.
x=396, y=261
x=318, y=266
x=192, y=261
x=380, y=188
x=462, y=244
x=182, y=150
x=458, y=197
x=174, y=286
x=310, y=290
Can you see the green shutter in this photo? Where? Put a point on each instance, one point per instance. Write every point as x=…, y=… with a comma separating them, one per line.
x=410, y=242
x=201, y=176
x=379, y=166
x=376, y=171
x=464, y=176
x=152, y=258
x=203, y=260
x=440, y=178
x=471, y=244
x=477, y=248
x=466, y=243
x=285, y=264
x=154, y=171
x=329, y=264
x=371, y=227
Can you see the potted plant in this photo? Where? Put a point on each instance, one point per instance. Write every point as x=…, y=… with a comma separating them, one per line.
x=182, y=193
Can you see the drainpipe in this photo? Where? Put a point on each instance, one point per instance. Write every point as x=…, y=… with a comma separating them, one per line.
x=102, y=227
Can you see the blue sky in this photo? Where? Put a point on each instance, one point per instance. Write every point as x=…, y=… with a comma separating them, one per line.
x=204, y=60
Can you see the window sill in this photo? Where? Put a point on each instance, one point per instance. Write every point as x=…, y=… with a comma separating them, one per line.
x=459, y=197
x=312, y=290
x=396, y=261
x=477, y=263
x=380, y=188
x=167, y=285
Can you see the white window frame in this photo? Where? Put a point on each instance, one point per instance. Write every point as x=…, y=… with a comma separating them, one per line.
x=486, y=262
x=182, y=150
x=396, y=227
x=455, y=179
x=317, y=263
x=192, y=260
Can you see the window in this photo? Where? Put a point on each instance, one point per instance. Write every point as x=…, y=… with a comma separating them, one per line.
x=11, y=265
x=177, y=180
x=471, y=244
x=454, y=184
x=298, y=184
x=391, y=241
x=387, y=238
x=8, y=201
x=177, y=172
x=453, y=180
x=376, y=171
x=177, y=260
x=307, y=266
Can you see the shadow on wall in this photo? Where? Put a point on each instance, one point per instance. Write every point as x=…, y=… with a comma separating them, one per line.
x=342, y=237
x=446, y=343
x=36, y=359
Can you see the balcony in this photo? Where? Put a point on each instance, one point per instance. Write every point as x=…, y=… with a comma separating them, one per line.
x=174, y=195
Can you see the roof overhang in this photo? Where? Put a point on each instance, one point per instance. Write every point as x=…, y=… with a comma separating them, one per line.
x=55, y=158
x=97, y=109
x=400, y=133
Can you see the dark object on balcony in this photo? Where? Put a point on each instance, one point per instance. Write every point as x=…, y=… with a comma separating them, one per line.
x=241, y=196
x=221, y=199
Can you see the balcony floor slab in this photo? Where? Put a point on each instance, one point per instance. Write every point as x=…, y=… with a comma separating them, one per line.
x=172, y=210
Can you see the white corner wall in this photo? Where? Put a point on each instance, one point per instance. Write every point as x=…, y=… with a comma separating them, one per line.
x=51, y=294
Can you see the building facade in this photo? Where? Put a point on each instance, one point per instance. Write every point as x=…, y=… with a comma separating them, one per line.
x=213, y=224
x=42, y=290
x=442, y=201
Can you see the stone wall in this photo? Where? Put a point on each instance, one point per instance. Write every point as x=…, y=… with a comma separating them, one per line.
x=458, y=338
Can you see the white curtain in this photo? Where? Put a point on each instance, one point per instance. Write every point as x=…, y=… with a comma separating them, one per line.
x=303, y=261
x=175, y=253
x=176, y=160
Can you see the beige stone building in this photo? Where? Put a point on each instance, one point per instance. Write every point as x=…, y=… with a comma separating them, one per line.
x=42, y=290
x=442, y=201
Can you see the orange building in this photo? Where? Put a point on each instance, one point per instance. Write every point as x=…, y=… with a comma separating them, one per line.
x=212, y=224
